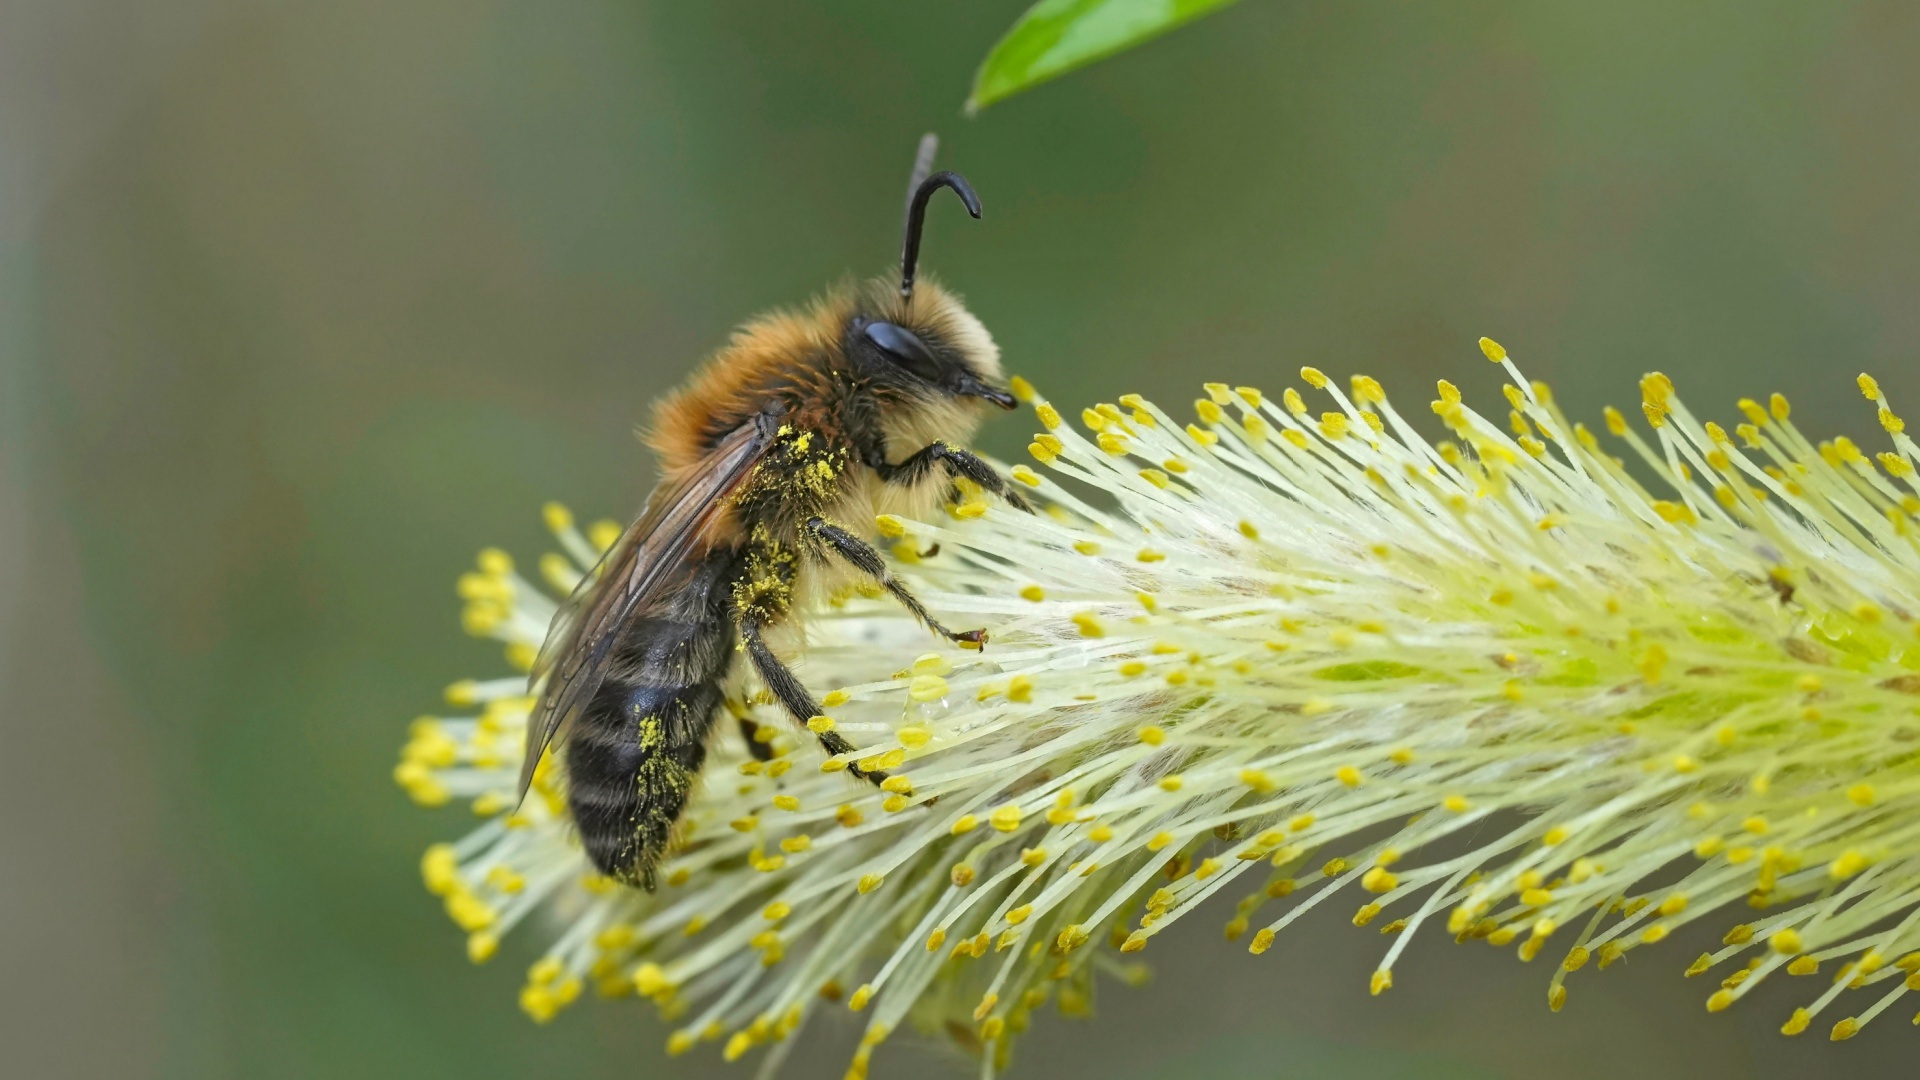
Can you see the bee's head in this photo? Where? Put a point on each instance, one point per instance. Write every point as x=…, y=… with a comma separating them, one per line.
x=925, y=342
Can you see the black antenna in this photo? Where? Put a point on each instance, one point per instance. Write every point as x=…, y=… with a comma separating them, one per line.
x=922, y=190
x=922, y=166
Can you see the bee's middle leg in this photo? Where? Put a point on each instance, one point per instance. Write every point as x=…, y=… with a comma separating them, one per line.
x=793, y=695
x=862, y=557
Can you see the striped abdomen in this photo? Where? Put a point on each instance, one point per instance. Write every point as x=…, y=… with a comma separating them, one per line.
x=634, y=751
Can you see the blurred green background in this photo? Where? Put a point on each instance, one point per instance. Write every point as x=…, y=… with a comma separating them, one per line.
x=301, y=303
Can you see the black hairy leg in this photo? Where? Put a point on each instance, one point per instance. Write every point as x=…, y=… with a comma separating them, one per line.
x=792, y=694
x=862, y=557
x=956, y=463
x=750, y=731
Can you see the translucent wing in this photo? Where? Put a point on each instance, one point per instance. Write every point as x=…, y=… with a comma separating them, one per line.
x=631, y=574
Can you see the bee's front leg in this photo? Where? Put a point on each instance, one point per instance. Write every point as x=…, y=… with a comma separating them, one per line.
x=956, y=462
x=791, y=693
x=865, y=559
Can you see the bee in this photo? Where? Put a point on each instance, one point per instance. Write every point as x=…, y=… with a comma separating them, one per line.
x=806, y=421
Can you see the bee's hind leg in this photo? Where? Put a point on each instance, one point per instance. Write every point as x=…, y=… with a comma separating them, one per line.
x=865, y=559
x=792, y=694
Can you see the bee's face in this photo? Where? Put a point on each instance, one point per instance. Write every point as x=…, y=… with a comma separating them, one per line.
x=945, y=353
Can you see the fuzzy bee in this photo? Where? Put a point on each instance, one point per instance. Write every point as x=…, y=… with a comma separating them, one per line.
x=804, y=423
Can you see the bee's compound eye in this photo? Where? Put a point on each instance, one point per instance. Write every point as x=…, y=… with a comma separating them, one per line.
x=903, y=347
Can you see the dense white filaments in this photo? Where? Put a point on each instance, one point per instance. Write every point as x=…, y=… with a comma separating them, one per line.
x=1493, y=685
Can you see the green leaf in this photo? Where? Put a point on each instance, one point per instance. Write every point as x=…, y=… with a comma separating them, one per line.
x=1057, y=36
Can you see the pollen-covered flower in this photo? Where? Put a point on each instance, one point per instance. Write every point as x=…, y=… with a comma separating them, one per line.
x=1493, y=684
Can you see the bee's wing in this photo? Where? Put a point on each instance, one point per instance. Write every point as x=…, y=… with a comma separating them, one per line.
x=632, y=572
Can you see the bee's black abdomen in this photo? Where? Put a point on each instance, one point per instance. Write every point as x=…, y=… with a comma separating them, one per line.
x=633, y=753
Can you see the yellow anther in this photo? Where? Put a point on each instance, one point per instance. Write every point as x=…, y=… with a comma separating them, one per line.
x=1493, y=350
x=1314, y=377
x=1379, y=880
x=1349, y=776
x=1785, y=942
x=1020, y=689
x=651, y=981
x=1005, y=819
x=927, y=688
x=1847, y=865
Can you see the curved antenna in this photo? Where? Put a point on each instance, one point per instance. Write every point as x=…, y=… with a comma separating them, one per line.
x=917, y=216
x=922, y=167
